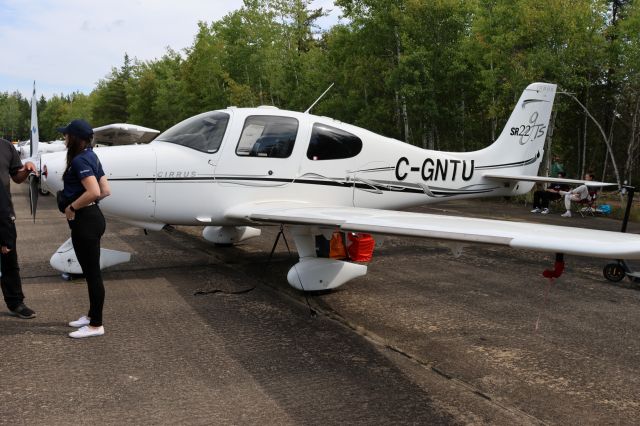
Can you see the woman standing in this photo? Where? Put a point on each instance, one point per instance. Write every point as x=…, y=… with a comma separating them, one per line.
x=84, y=185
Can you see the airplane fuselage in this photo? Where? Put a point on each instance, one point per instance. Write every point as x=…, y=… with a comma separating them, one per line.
x=221, y=159
x=230, y=169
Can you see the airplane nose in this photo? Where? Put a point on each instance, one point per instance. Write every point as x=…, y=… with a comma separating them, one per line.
x=52, y=168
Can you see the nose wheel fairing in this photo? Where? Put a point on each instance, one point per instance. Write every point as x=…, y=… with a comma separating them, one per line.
x=66, y=261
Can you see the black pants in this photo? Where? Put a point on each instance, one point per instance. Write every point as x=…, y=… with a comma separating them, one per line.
x=10, y=281
x=86, y=230
x=541, y=199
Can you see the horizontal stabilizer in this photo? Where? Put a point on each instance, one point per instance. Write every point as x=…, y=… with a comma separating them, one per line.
x=521, y=178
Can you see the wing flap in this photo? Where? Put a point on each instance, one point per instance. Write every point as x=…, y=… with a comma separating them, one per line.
x=521, y=235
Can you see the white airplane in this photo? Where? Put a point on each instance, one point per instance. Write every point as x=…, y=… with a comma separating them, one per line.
x=233, y=169
x=26, y=148
x=113, y=134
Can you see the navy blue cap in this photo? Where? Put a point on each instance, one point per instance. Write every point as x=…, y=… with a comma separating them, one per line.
x=77, y=127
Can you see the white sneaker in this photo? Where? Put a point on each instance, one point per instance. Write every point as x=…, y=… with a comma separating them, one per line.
x=566, y=214
x=545, y=211
x=536, y=210
x=87, y=331
x=80, y=322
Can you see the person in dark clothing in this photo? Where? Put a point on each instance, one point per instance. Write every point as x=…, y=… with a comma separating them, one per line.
x=11, y=167
x=85, y=184
x=551, y=193
x=7, y=228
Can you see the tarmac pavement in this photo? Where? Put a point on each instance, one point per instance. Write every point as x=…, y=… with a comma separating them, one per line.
x=424, y=338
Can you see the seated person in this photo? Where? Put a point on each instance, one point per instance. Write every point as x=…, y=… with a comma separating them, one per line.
x=582, y=192
x=551, y=193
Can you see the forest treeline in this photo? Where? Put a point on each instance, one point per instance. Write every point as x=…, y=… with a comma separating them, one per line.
x=441, y=74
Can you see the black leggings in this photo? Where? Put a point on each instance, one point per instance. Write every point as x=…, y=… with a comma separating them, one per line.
x=86, y=230
x=541, y=198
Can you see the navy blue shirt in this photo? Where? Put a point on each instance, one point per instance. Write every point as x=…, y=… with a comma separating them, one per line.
x=83, y=165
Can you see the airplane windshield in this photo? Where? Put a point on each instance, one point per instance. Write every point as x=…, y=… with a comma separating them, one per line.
x=203, y=132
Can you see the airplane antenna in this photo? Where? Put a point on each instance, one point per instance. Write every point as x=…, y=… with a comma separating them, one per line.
x=318, y=100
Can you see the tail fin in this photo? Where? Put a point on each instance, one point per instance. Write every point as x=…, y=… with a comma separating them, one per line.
x=520, y=147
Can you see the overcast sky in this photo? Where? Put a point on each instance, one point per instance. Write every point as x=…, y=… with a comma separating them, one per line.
x=68, y=45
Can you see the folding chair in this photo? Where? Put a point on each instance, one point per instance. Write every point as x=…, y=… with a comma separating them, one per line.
x=587, y=206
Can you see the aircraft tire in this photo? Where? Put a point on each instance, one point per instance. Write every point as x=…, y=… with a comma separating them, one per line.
x=614, y=272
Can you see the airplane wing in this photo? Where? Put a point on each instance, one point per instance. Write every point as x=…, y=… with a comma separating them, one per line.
x=517, y=178
x=123, y=134
x=520, y=235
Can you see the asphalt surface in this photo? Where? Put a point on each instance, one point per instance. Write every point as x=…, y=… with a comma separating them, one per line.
x=424, y=338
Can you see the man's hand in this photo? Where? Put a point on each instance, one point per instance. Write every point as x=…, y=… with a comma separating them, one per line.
x=31, y=168
x=5, y=249
x=24, y=172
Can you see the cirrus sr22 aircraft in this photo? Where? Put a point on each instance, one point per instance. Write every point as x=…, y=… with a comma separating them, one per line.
x=235, y=169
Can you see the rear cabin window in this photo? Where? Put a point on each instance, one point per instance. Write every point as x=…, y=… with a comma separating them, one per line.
x=204, y=132
x=267, y=136
x=330, y=143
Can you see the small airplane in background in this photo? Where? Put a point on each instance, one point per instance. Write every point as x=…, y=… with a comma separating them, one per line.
x=109, y=135
x=33, y=145
x=24, y=148
x=112, y=134
x=236, y=169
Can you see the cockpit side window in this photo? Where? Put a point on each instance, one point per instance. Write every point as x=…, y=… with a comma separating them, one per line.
x=267, y=136
x=330, y=143
x=204, y=132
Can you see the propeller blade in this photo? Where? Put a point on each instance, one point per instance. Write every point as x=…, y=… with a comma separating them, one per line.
x=34, y=183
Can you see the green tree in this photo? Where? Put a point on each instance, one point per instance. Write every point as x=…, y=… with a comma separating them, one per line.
x=443, y=74
x=10, y=117
x=110, y=104
x=54, y=115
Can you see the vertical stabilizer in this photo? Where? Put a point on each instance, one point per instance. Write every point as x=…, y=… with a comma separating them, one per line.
x=520, y=147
